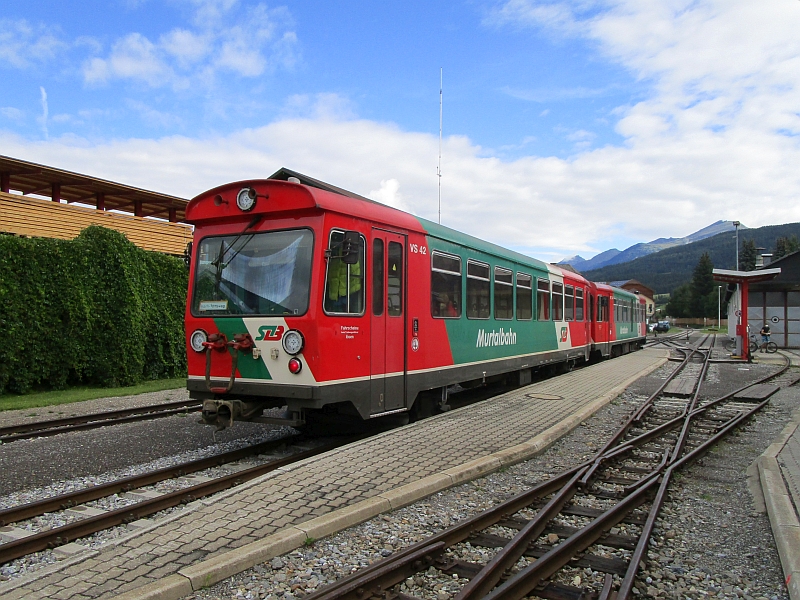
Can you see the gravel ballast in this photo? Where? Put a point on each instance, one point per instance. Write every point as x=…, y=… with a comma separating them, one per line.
x=711, y=540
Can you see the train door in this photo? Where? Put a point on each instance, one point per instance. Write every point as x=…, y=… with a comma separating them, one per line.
x=387, y=337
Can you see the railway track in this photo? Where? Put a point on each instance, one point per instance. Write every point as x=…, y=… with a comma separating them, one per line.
x=598, y=515
x=13, y=433
x=28, y=542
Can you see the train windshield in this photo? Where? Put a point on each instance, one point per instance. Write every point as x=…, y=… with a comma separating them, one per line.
x=267, y=273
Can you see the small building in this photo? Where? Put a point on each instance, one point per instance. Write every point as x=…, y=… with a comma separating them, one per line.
x=777, y=302
x=633, y=285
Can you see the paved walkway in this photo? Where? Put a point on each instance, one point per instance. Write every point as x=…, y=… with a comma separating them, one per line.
x=779, y=469
x=276, y=513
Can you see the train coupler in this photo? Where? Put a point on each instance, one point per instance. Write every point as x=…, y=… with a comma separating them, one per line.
x=222, y=413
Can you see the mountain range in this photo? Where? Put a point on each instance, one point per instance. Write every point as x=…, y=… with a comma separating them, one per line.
x=667, y=269
x=614, y=256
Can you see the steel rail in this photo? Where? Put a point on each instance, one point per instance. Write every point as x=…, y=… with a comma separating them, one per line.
x=126, y=484
x=128, y=415
x=380, y=576
x=66, y=533
x=522, y=583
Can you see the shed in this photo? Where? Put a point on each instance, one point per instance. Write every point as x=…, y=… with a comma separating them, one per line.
x=777, y=302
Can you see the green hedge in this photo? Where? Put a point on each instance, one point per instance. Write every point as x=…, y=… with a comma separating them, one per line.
x=94, y=310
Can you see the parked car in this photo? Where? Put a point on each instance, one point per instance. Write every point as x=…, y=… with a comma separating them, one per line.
x=661, y=327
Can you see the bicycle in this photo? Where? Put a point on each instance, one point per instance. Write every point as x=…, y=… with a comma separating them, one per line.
x=769, y=347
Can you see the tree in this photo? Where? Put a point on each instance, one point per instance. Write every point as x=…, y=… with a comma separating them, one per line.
x=785, y=245
x=679, y=302
x=701, y=287
x=747, y=257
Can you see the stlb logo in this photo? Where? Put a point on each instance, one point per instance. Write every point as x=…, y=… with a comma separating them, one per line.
x=270, y=333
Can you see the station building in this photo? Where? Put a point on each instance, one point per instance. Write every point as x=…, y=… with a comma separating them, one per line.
x=41, y=201
x=777, y=302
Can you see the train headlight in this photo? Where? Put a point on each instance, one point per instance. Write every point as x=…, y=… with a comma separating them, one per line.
x=295, y=365
x=198, y=338
x=293, y=342
x=246, y=199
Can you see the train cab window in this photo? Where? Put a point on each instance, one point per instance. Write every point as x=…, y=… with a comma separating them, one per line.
x=558, y=301
x=524, y=297
x=569, y=303
x=579, y=304
x=377, y=277
x=445, y=286
x=543, y=300
x=394, y=290
x=265, y=273
x=478, y=285
x=344, y=283
x=503, y=293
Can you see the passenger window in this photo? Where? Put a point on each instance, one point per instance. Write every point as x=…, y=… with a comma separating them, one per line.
x=558, y=301
x=524, y=297
x=503, y=294
x=569, y=303
x=445, y=285
x=579, y=304
x=478, y=284
x=602, y=308
x=344, y=289
x=543, y=300
x=395, y=286
x=377, y=277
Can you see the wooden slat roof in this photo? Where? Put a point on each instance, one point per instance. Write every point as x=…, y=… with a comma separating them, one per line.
x=32, y=178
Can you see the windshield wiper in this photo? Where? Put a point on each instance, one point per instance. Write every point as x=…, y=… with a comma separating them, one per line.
x=222, y=251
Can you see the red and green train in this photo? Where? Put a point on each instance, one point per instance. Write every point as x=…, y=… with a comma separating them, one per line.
x=308, y=296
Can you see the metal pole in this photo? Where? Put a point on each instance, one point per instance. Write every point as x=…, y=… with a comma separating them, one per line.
x=736, y=225
x=719, y=308
x=439, y=168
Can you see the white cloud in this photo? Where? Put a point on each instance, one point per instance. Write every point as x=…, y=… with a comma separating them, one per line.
x=226, y=38
x=389, y=193
x=42, y=120
x=133, y=57
x=547, y=206
x=9, y=112
x=23, y=45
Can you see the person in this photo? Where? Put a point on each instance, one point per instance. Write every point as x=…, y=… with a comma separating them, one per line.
x=337, y=286
x=764, y=336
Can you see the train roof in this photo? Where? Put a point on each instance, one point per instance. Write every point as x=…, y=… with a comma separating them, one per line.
x=313, y=193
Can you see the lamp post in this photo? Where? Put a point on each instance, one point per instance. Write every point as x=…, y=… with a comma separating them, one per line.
x=736, y=225
x=719, y=308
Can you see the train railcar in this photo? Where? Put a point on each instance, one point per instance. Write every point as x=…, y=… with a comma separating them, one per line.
x=308, y=296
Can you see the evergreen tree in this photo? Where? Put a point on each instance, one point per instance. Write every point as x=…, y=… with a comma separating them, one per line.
x=747, y=256
x=785, y=245
x=702, y=287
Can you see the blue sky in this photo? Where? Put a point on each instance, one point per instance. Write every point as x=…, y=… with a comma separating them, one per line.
x=570, y=127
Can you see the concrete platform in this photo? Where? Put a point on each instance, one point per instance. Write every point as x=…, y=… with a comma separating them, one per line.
x=779, y=470
x=233, y=531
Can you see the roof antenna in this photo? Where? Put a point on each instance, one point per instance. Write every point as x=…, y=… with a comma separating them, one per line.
x=439, y=167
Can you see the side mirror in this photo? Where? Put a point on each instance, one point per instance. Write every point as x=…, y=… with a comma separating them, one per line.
x=351, y=247
x=187, y=254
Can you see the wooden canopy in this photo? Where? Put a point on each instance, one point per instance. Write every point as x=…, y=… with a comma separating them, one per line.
x=32, y=178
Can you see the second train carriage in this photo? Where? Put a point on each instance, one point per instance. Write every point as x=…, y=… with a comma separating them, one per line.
x=307, y=296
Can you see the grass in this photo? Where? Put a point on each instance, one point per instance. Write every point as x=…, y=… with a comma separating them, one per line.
x=79, y=394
